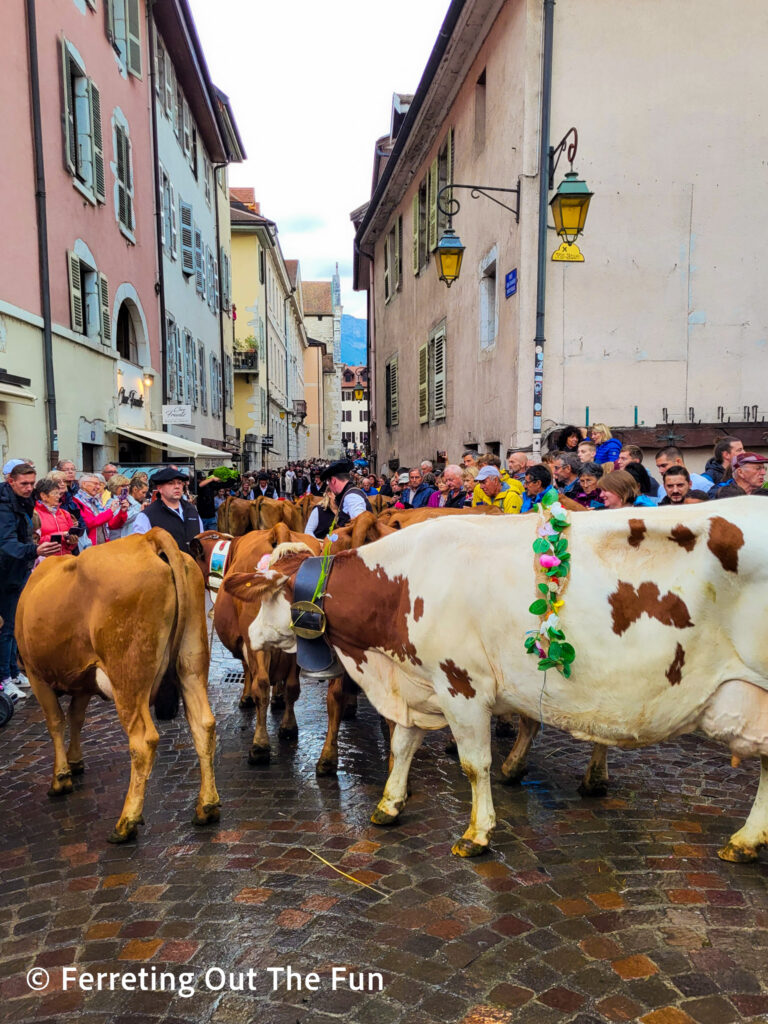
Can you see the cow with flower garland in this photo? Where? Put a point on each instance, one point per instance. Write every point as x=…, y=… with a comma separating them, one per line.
x=675, y=603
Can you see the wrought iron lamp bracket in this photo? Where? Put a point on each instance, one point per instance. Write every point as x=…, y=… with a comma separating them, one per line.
x=555, y=152
x=451, y=206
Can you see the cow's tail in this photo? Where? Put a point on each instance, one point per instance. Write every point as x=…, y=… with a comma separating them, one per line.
x=167, y=696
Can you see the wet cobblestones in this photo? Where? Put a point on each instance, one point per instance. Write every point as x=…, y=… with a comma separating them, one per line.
x=609, y=910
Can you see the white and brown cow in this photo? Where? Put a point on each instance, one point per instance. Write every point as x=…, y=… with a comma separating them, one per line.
x=124, y=621
x=674, y=599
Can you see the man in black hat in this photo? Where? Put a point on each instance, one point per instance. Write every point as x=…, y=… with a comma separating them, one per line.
x=170, y=512
x=264, y=488
x=350, y=500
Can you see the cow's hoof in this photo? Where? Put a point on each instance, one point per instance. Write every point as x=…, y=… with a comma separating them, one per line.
x=467, y=848
x=209, y=814
x=126, y=835
x=288, y=732
x=247, y=702
x=277, y=704
x=451, y=749
x=504, y=730
x=381, y=817
x=61, y=786
x=597, y=789
x=514, y=778
x=258, y=755
x=350, y=712
x=326, y=767
x=737, y=854
x=77, y=767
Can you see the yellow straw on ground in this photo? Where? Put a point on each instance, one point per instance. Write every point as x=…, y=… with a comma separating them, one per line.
x=350, y=877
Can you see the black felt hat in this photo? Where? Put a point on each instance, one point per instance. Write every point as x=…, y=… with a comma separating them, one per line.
x=167, y=475
x=341, y=468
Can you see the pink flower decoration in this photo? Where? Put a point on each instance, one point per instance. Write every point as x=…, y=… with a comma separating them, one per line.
x=549, y=561
x=264, y=562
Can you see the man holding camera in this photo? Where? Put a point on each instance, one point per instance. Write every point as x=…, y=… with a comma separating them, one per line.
x=169, y=511
x=18, y=551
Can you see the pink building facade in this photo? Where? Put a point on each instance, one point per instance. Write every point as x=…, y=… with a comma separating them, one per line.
x=93, y=121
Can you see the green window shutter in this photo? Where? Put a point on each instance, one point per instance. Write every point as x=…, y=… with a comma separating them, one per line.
x=398, y=253
x=133, y=32
x=76, y=312
x=187, y=239
x=432, y=200
x=99, y=183
x=424, y=384
x=70, y=140
x=415, y=223
x=106, y=319
x=439, y=375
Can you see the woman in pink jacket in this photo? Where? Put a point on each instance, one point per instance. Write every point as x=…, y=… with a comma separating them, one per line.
x=99, y=519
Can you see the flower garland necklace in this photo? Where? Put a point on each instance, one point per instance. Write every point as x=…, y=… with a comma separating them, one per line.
x=552, y=565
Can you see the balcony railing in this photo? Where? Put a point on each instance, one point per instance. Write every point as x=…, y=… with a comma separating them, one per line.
x=247, y=361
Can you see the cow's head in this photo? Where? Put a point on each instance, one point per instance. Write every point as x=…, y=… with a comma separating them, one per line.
x=272, y=588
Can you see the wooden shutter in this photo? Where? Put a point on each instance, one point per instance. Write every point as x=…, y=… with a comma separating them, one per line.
x=394, y=393
x=163, y=225
x=415, y=224
x=187, y=239
x=189, y=369
x=199, y=264
x=106, y=319
x=174, y=225
x=424, y=384
x=124, y=201
x=203, y=376
x=193, y=359
x=180, y=382
x=439, y=376
x=187, y=129
x=99, y=183
x=432, y=202
x=170, y=88
x=75, y=294
x=170, y=356
x=216, y=294
x=212, y=363
x=159, y=67
x=219, y=387
x=398, y=254
x=70, y=139
x=387, y=270
x=109, y=17
x=133, y=36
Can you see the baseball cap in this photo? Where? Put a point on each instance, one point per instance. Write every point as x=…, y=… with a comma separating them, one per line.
x=403, y=478
x=12, y=464
x=486, y=473
x=742, y=459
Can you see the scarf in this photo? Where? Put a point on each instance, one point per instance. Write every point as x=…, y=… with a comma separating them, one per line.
x=93, y=503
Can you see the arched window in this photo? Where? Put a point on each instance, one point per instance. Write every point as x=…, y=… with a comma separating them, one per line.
x=127, y=340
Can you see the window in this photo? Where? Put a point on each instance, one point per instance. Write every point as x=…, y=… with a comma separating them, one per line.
x=391, y=393
x=199, y=264
x=437, y=374
x=263, y=407
x=207, y=178
x=161, y=60
x=171, y=358
x=225, y=270
x=489, y=317
x=217, y=398
x=440, y=175
x=88, y=300
x=168, y=215
x=83, y=143
x=178, y=113
x=125, y=335
x=187, y=238
x=363, y=415
x=190, y=368
x=124, y=32
x=393, y=259
x=203, y=376
x=346, y=415
x=424, y=384
x=480, y=113
x=420, y=252
x=124, y=179
x=230, y=382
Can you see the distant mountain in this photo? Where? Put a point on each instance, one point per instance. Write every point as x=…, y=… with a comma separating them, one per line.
x=353, y=340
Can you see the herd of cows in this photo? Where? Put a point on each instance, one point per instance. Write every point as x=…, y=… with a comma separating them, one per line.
x=427, y=611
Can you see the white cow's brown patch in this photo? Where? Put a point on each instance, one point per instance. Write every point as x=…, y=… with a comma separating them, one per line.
x=628, y=604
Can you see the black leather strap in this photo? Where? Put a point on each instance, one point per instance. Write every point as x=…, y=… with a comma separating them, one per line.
x=315, y=655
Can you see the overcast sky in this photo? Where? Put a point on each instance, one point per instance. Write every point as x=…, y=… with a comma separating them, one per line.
x=311, y=87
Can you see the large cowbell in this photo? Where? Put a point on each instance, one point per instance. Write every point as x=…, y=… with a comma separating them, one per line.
x=315, y=656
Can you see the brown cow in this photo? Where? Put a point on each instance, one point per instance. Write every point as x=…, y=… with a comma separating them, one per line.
x=364, y=529
x=305, y=504
x=268, y=512
x=400, y=517
x=117, y=622
x=234, y=516
x=261, y=668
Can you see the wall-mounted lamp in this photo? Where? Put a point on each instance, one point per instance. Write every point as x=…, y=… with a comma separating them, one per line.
x=148, y=380
x=570, y=203
x=449, y=251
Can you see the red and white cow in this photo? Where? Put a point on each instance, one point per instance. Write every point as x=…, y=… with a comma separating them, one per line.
x=674, y=599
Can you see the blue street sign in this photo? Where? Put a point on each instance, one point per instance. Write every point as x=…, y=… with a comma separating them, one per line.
x=510, y=283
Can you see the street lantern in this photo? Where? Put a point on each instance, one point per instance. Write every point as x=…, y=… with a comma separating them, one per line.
x=570, y=205
x=359, y=394
x=448, y=256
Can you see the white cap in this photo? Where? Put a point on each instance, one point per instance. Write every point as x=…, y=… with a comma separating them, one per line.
x=486, y=473
x=11, y=464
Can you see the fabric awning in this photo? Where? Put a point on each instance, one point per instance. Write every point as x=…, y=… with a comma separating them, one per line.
x=15, y=393
x=170, y=442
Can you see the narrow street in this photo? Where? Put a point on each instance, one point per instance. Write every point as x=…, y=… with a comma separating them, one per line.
x=616, y=909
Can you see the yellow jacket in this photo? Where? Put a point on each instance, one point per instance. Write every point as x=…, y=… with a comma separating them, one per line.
x=509, y=499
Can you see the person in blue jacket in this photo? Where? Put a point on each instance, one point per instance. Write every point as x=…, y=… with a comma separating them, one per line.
x=417, y=493
x=608, y=446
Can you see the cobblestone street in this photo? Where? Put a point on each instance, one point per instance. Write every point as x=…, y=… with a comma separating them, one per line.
x=616, y=909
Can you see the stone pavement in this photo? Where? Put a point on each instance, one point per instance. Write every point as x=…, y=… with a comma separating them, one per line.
x=608, y=910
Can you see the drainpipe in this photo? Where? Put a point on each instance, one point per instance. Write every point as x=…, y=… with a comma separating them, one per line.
x=541, y=277
x=42, y=235
x=216, y=168
x=160, y=285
